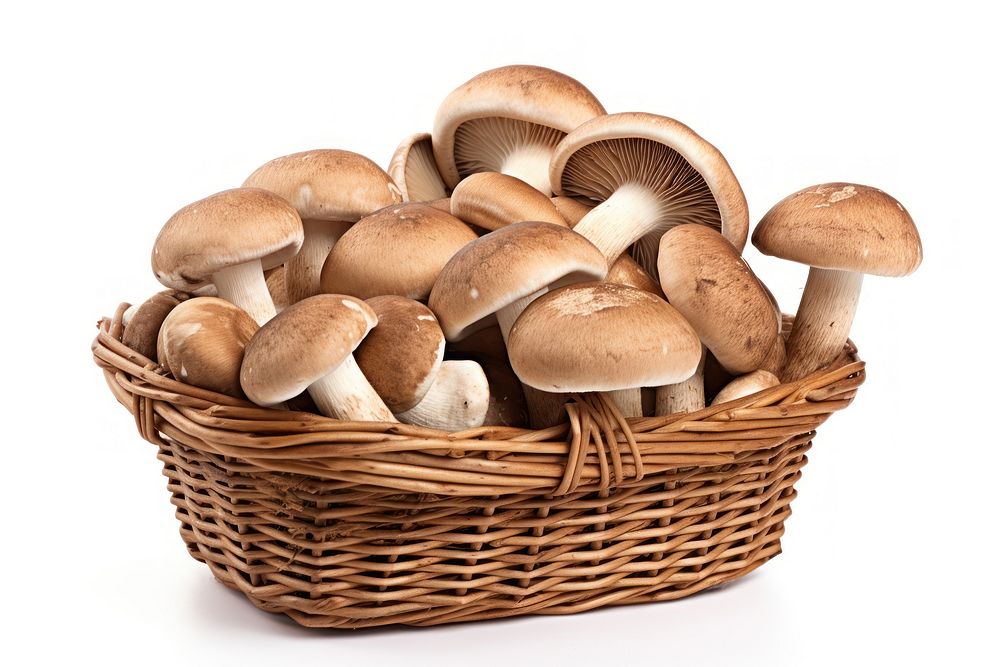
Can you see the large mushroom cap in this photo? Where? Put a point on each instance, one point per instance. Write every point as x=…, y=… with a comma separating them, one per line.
x=397, y=250
x=226, y=229
x=302, y=344
x=842, y=226
x=691, y=179
x=482, y=121
x=705, y=278
x=201, y=342
x=602, y=337
x=403, y=354
x=327, y=184
x=507, y=265
x=414, y=170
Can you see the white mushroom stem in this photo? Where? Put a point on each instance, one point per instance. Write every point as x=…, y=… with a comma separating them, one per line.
x=243, y=285
x=345, y=393
x=629, y=401
x=530, y=163
x=686, y=396
x=745, y=385
x=457, y=399
x=626, y=216
x=822, y=322
x=303, y=270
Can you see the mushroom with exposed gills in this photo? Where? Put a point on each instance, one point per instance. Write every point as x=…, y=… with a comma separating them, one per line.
x=509, y=120
x=403, y=360
x=492, y=200
x=202, y=341
x=414, y=171
x=841, y=231
x=646, y=173
x=331, y=189
x=399, y=249
x=745, y=385
x=704, y=277
x=229, y=239
x=602, y=337
x=309, y=346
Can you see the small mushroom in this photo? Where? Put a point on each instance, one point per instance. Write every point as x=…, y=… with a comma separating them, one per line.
x=201, y=343
x=745, y=385
x=647, y=173
x=414, y=171
x=309, y=346
x=397, y=250
x=602, y=337
x=491, y=200
x=842, y=231
x=509, y=120
x=331, y=189
x=142, y=324
x=229, y=239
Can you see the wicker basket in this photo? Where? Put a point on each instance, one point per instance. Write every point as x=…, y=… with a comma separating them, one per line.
x=351, y=525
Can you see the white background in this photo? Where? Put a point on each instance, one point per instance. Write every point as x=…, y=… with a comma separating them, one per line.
x=114, y=116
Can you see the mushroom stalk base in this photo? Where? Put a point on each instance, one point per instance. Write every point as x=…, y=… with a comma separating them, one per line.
x=345, y=393
x=243, y=285
x=457, y=399
x=629, y=401
x=303, y=270
x=531, y=164
x=686, y=396
x=822, y=322
x=626, y=216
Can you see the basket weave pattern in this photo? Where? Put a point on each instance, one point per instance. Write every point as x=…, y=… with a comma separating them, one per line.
x=350, y=525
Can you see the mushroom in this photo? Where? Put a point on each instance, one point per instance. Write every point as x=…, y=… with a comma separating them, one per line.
x=201, y=343
x=491, y=200
x=414, y=171
x=501, y=273
x=331, y=189
x=229, y=239
x=459, y=398
x=397, y=250
x=602, y=337
x=142, y=325
x=704, y=277
x=745, y=385
x=309, y=347
x=842, y=231
x=508, y=120
x=648, y=173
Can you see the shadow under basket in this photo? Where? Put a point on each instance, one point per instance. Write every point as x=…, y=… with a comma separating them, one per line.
x=357, y=524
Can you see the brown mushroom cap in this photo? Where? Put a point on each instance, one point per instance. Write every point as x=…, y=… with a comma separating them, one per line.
x=689, y=178
x=397, y=250
x=705, y=278
x=224, y=230
x=414, y=170
x=507, y=265
x=327, y=184
x=482, y=121
x=602, y=337
x=202, y=341
x=143, y=327
x=403, y=354
x=842, y=226
x=303, y=344
x=492, y=200
x=745, y=385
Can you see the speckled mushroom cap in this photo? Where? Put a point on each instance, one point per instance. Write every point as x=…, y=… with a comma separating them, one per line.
x=327, y=184
x=226, y=229
x=602, y=337
x=692, y=179
x=143, y=326
x=303, y=344
x=492, y=200
x=403, y=354
x=414, y=170
x=202, y=341
x=507, y=265
x=704, y=277
x=472, y=131
x=842, y=226
x=397, y=250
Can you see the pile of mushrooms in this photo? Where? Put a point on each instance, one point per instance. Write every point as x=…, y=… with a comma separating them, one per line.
x=529, y=247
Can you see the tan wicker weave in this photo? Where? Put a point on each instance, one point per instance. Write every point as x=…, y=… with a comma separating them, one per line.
x=350, y=525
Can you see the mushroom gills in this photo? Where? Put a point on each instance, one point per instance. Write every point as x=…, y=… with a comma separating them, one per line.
x=423, y=182
x=513, y=147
